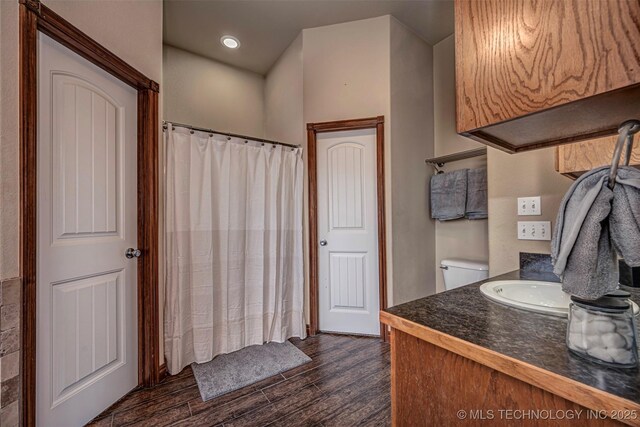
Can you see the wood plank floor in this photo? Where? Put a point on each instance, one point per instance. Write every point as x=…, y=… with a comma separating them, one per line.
x=346, y=383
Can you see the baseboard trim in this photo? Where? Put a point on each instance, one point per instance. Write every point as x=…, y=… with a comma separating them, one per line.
x=162, y=372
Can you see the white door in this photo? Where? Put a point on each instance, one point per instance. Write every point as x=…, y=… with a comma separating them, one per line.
x=87, y=341
x=348, y=232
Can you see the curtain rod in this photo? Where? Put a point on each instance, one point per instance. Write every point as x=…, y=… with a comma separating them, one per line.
x=227, y=134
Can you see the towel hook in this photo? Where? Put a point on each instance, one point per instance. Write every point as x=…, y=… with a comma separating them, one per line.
x=625, y=140
x=437, y=167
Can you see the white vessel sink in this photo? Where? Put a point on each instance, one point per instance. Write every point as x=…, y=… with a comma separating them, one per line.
x=530, y=295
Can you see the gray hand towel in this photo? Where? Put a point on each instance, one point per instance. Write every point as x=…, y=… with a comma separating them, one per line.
x=448, y=195
x=625, y=215
x=476, y=194
x=582, y=250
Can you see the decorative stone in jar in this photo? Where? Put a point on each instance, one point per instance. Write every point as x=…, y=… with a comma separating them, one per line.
x=603, y=330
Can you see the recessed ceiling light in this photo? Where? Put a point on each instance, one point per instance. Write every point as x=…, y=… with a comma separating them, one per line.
x=230, y=42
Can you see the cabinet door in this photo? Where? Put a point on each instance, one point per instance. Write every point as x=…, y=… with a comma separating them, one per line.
x=538, y=73
x=575, y=159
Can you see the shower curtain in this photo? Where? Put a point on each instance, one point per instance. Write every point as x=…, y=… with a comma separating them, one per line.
x=233, y=245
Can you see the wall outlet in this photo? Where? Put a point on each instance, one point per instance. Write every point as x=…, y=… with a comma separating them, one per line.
x=534, y=230
x=529, y=206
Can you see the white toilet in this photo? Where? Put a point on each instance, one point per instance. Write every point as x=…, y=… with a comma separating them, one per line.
x=460, y=272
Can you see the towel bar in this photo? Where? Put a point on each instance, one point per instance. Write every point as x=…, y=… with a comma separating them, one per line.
x=438, y=162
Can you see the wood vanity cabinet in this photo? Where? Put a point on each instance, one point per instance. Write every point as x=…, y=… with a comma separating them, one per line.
x=532, y=74
x=573, y=160
x=434, y=386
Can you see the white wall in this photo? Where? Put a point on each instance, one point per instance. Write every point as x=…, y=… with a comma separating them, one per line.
x=202, y=92
x=411, y=126
x=461, y=238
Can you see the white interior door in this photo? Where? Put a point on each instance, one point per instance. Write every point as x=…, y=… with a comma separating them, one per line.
x=348, y=232
x=87, y=342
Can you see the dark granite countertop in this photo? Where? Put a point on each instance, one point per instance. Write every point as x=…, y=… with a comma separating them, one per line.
x=532, y=338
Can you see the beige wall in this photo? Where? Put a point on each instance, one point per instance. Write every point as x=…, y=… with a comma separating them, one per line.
x=10, y=295
x=346, y=70
x=461, y=238
x=411, y=126
x=346, y=75
x=447, y=141
x=9, y=148
x=202, y=92
x=520, y=175
x=283, y=97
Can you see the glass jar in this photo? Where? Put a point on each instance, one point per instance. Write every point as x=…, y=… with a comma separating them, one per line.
x=619, y=293
x=603, y=330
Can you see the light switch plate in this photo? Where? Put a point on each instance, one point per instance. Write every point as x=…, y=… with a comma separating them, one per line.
x=529, y=206
x=534, y=230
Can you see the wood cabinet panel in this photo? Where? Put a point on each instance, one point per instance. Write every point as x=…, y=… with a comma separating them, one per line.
x=516, y=59
x=430, y=385
x=575, y=159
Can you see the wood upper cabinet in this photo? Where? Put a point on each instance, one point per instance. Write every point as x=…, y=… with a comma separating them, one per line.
x=531, y=74
x=573, y=160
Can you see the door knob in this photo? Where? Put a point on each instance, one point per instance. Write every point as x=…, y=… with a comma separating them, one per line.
x=132, y=253
x=323, y=242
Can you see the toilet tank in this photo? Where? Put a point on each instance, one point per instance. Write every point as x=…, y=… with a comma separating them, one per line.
x=460, y=272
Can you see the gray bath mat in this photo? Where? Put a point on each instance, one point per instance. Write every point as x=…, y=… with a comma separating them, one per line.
x=232, y=371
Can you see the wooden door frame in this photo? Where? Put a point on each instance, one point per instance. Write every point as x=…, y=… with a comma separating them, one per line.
x=313, y=129
x=34, y=17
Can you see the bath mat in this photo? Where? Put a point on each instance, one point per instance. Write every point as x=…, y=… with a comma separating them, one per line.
x=232, y=371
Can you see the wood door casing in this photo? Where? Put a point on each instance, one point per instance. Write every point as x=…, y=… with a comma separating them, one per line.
x=312, y=130
x=34, y=17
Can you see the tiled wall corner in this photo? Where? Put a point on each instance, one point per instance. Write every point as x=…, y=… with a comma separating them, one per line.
x=9, y=352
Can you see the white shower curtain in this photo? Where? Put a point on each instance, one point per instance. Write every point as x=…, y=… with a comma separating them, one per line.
x=233, y=249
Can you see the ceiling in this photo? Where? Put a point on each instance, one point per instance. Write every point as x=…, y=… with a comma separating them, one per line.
x=266, y=27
